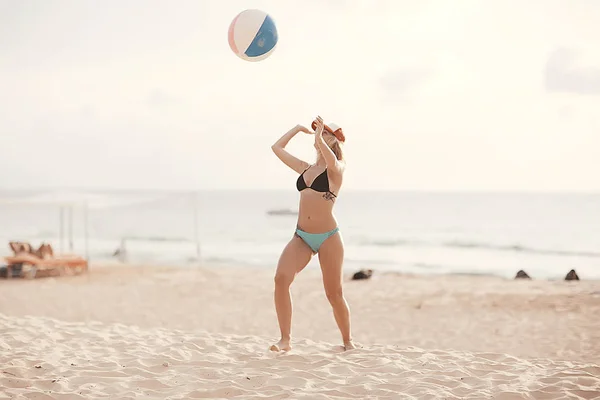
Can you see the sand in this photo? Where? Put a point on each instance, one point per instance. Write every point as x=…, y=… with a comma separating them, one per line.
x=125, y=332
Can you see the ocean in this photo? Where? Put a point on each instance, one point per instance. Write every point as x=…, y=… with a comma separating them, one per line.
x=422, y=233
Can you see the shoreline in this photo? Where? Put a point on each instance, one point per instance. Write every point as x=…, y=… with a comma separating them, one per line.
x=348, y=272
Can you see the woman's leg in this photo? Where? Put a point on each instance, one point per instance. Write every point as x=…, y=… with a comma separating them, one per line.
x=293, y=259
x=331, y=258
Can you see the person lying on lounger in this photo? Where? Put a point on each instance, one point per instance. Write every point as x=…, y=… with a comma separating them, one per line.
x=20, y=247
x=45, y=250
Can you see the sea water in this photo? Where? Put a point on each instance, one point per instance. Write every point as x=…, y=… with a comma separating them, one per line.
x=423, y=233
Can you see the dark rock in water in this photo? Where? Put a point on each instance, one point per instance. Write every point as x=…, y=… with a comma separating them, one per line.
x=362, y=274
x=522, y=275
x=572, y=276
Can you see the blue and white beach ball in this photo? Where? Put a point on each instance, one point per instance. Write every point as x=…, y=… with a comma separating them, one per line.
x=253, y=35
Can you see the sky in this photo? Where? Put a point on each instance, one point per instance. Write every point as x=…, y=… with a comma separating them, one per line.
x=495, y=95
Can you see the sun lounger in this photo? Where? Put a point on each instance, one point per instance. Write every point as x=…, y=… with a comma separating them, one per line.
x=64, y=263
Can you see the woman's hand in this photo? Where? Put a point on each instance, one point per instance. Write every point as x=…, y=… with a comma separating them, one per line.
x=319, y=126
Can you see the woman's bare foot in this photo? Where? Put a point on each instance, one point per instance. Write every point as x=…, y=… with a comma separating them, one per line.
x=282, y=345
x=349, y=345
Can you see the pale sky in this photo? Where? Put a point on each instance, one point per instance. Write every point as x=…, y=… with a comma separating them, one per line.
x=432, y=94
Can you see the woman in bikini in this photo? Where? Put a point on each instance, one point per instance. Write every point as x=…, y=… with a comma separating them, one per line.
x=317, y=229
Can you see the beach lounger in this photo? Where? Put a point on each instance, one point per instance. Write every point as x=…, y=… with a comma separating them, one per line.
x=60, y=264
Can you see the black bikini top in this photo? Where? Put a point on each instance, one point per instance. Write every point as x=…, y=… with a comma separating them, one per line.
x=320, y=184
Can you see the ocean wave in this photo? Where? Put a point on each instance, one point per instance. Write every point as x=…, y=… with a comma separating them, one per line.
x=392, y=242
x=517, y=248
x=521, y=249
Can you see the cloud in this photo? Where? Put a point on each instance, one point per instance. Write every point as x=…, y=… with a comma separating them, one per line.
x=563, y=76
x=159, y=98
x=403, y=80
x=565, y=111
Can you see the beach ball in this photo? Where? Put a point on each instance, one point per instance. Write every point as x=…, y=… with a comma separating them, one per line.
x=253, y=35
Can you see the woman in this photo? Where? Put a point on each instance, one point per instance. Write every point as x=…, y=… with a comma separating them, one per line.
x=317, y=230
x=20, y=248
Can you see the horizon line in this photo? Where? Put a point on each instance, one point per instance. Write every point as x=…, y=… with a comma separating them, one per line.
x=200, y=190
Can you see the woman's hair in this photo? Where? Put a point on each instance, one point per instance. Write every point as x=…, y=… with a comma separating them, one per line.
x=335, y=145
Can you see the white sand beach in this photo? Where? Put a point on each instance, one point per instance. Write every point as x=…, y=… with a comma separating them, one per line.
x=125, y=332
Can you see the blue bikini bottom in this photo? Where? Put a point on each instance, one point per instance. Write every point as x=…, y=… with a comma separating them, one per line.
x=315, y=240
